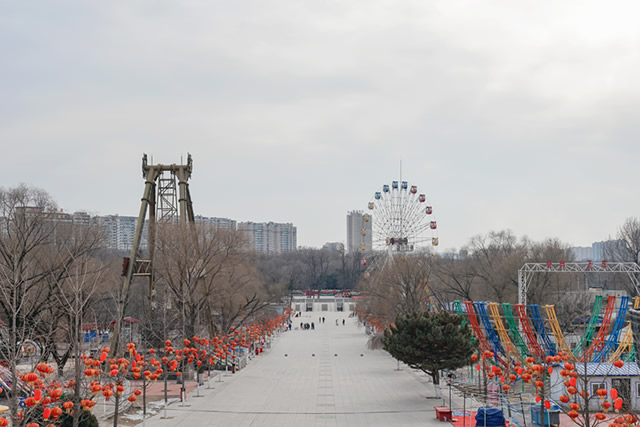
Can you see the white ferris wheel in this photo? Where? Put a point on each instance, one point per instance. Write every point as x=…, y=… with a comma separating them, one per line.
x=401, y=219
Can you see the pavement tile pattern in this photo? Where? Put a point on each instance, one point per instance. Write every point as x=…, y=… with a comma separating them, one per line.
x=321, y=377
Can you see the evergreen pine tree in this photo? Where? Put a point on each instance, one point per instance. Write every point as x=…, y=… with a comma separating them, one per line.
x=430, y=342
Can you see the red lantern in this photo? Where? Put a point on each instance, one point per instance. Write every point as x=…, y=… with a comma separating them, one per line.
x=614, y=394
x=602, y=393
x=564, y=398
x=573, y=414
x=547, y=404
x=56, y=412
x=618, y=363
x=618, y=404
x=31, y=377
x=600, y=416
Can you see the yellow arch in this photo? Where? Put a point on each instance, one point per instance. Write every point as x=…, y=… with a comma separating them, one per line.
x=557, y=332
x=502, y=332
x=625, y=345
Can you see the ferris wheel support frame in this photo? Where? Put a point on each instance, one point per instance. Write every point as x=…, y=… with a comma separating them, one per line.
x=526, y=272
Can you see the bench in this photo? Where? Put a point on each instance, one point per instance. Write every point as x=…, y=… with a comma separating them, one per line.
x=443, y=413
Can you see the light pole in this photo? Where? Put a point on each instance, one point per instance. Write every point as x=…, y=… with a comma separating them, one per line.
x=450, y=377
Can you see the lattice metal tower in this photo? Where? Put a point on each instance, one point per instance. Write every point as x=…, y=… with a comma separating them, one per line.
x=167, y=199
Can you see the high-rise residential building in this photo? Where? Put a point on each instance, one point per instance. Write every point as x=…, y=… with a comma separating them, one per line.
x=81, y=218
x=610, y=250
x=217, y=223
x=356, y=227
x=270, y=237
x=121, y=231
x=582, y=253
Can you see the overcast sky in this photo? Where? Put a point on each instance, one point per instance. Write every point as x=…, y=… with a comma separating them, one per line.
x=508, y=115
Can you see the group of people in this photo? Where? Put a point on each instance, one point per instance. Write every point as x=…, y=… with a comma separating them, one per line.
x=307, y=326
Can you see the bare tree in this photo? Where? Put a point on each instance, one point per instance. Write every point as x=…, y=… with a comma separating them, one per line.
x=75, y=294
x=497, y=257
x=199, y=275
x=545, y=288
x=627, y=248
x=240, y=296
x=401, y=287
x=38, y=248
x=316, y=262
x=455, y=276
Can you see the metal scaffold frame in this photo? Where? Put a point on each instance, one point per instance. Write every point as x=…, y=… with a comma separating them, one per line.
x=529, y=269
x=166, y=202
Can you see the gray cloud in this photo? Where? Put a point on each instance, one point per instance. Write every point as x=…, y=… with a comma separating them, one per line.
x=509, y=115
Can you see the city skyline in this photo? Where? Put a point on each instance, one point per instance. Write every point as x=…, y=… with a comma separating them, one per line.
x=508, y=117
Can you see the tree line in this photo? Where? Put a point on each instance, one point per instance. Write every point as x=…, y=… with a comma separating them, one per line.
x=58, y=280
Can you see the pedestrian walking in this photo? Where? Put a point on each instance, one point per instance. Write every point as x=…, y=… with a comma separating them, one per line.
x=312, y=326
x=342, y=322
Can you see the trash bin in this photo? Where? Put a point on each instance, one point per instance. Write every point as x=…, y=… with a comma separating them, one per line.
x=490, y=417
x=551, y=416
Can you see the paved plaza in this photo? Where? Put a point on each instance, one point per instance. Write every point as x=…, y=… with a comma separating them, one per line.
x=321, y=377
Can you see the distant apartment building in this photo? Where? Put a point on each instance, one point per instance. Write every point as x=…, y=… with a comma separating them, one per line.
x=270, y=237
x=582, y=253
x=217, y=223
x=334, y=246
x=120, y=231
x=609, y=250
x=356, y=227
x=81, y=218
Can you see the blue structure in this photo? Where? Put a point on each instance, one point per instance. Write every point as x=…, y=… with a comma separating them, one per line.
x=549, y=347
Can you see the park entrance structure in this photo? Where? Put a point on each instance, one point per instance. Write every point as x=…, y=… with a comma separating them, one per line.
x=527, y=271
x=167, y=199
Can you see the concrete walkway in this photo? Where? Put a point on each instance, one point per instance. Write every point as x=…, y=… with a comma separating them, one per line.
x=321, y=377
